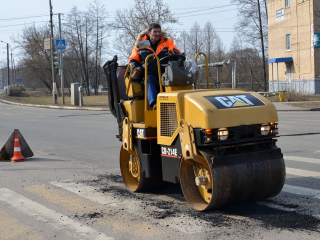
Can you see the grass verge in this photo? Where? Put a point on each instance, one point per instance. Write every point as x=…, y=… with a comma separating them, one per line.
x=38, y=97
x=306, y=105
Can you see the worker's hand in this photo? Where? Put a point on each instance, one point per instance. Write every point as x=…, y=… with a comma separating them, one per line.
x=170, y=53
x=136, y=73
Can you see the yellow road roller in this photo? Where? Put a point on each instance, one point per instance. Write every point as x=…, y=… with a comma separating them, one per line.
x=218, y=144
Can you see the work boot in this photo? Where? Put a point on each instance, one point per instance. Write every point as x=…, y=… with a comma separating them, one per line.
x=154, y=105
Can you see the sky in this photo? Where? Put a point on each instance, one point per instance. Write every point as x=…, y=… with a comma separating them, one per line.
x=17, y=14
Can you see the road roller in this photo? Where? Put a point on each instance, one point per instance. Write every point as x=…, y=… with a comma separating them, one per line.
x=218, y=144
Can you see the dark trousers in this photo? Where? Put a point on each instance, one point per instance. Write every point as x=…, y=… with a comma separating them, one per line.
x=153, y=88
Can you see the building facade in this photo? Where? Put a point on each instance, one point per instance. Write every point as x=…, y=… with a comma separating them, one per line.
x=294, y=45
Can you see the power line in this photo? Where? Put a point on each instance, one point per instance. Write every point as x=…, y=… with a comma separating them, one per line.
x=206, y=8
x=208, y=13
x=21, y=24
x=18, y=18
x=113, y=17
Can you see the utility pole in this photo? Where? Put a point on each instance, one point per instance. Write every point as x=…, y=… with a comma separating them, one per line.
x=61, y=62
x=262, y=47
x=12, y=75
x=8, y=80
x=54, y=85
x=14, y=70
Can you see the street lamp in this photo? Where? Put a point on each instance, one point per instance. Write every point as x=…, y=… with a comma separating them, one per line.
x=8, y=80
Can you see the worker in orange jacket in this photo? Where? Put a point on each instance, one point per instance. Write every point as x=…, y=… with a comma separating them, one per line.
x=162, y=46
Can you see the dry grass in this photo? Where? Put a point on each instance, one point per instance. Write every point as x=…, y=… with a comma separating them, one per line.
x=299, y=100
x=43, y=98
x=289, y=97
x=101, y=100
x=306, y=105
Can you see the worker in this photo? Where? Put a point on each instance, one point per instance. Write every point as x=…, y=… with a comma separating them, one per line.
x=162, y=46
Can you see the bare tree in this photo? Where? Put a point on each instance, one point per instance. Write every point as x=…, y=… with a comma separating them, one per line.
x=210, y=39
x=35, y=59
x=182, y=41
x=131, y=21
x=220, y=52
x=248, y=60
x=98, y=17
x=253, y=27
x=204, y=40
x=85, y=32
x=195, y=40
x=78, y=31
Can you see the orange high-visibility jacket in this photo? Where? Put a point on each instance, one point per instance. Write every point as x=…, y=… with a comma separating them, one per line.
x=138, y=55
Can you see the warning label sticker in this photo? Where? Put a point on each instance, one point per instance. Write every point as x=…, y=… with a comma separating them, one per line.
x=235, y=101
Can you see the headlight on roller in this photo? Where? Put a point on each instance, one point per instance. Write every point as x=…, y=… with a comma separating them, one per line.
x=223, y=134
x=265, y=129
x=213, y=135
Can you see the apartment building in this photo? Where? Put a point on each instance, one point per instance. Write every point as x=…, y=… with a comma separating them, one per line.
x=294, y=45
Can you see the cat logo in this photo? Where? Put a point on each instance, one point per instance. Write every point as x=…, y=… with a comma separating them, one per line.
x=235, y=101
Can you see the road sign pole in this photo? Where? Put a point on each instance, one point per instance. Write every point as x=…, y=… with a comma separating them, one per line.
x=61, y=63
x=54, y=85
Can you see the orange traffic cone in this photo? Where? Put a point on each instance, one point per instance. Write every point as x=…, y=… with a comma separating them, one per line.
x=17, y=156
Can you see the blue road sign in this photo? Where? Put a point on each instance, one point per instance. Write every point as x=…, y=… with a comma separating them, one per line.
x=60, y=44
x=316, y=41
x=19, y=80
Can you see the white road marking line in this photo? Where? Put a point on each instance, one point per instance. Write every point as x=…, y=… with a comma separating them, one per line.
x=302, y=159
x=310, y=120
x=55, y=219
x=85, y=192
x=301, y=191
x=132, y=206
x=313, y=193
x=279, y=207
x=302, y=173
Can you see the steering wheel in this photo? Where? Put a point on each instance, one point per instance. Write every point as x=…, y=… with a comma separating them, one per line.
x=174, y=57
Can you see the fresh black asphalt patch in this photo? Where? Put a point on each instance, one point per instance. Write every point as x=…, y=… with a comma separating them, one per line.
x=243, y=215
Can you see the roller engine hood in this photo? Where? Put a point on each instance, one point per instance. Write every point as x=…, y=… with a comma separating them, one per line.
x=222, y=108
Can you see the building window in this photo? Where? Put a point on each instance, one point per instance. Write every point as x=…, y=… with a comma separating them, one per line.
x=287, y=3
x=280, y=14
x=288, y=42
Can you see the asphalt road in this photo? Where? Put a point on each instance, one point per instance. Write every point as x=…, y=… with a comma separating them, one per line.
x=71, y=188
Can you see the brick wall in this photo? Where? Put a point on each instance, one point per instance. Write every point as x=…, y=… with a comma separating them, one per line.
x=297, y=20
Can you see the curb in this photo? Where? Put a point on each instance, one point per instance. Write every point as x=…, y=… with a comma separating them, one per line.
x=56, y=107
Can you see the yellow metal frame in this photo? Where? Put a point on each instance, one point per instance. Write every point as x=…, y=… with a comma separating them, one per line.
x=127, y=136
x=133, y=89
x=207, y=69
x=131, y=71
x=134, y=110
x=177, y=88
x=188, y=146
x=149, y=116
